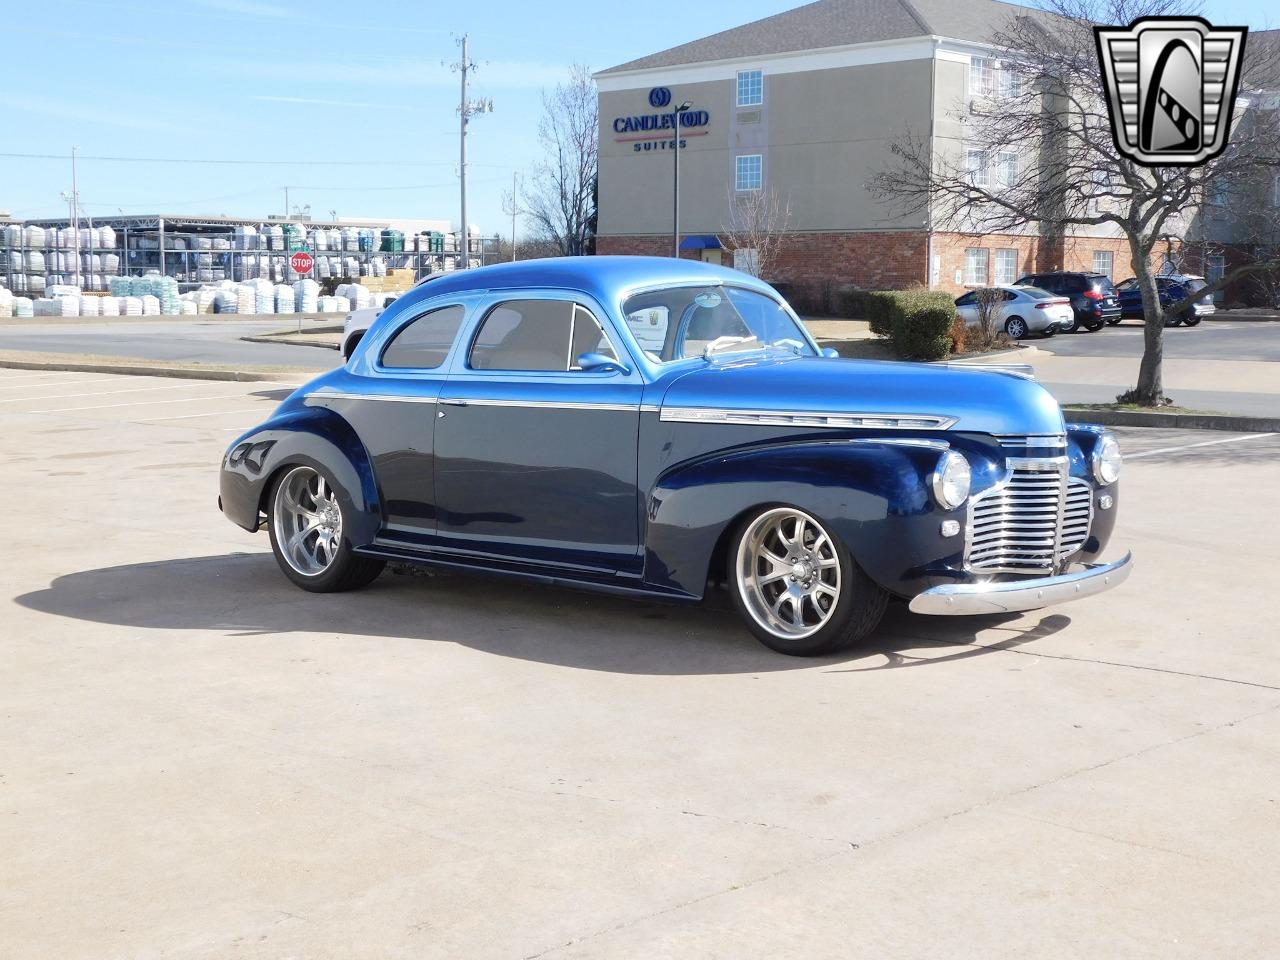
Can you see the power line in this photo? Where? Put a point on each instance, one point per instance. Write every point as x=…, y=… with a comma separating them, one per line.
x=265, y=163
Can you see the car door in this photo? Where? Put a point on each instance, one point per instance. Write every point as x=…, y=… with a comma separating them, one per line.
x=535, y=459
x=394, y=415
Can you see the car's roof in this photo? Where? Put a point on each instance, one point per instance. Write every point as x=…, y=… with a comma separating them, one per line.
x=605, y=278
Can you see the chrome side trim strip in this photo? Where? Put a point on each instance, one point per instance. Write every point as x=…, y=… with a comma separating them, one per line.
x=1010, y=596
x=389, y=398
x=549, y=404
x=1049, y=441
x=775, y=418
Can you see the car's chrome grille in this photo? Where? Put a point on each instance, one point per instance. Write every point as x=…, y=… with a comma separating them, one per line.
x=1049, y=441
x=1031, y=522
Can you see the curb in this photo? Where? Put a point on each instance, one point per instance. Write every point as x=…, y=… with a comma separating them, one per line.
x=179, y=373
x=1180, y=421
x=290, y=342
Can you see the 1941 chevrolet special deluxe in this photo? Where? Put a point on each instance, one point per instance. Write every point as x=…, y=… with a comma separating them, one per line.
x=644, y=426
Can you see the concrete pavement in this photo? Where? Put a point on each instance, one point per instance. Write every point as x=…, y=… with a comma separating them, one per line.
x=200, y=761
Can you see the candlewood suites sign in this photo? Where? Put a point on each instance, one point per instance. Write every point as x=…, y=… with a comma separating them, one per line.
x=656, y=131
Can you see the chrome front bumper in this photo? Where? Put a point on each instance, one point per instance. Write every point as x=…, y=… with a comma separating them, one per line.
x=1010, y=596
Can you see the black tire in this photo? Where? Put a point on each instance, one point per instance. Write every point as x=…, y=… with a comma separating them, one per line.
x=346, y=570
x=1074, y=326
x=1093, y=326
x=1192, y=320
x=856, y=612
x=1114, y=321
x=1016, y=323
x=1048, y=332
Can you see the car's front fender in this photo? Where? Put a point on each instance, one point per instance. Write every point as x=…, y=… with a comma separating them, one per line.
x=873, y=494
x=311, y=436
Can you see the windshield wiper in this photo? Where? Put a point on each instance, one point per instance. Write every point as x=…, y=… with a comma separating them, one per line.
x=729, y=345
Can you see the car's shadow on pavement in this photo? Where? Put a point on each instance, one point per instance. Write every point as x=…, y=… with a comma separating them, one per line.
x=244, y=594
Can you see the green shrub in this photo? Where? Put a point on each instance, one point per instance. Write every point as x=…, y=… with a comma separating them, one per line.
x=921, y=325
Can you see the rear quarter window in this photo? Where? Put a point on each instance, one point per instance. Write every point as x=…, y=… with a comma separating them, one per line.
x=424, y=342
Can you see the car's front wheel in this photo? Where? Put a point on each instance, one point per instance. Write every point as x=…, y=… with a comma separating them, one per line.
x=307, y=535
x=798, y=587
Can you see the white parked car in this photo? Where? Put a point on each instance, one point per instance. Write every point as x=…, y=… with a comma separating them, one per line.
x=354, y=327
x=1022, y=310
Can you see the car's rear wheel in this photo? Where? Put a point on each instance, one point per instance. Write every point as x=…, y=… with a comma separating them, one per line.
x=1016, y=327
x=308, y=534
x=1114, y=321
x=797, y=586
x=1048, y=331
x=1191, y=320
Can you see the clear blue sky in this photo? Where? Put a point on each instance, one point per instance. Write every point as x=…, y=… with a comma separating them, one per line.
x=293, y=81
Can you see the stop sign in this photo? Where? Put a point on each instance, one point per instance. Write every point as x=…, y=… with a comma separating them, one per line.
x=302, y=262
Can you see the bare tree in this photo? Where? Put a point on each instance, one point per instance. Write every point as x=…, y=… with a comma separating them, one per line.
x=560, y=197
x=757, y=225
x=987, y=332
x=1047, y=163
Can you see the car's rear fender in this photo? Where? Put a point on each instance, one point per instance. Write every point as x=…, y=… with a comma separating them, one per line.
x=873, y=494
x=313, y=436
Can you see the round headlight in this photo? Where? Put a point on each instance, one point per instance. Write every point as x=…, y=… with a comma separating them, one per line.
x=1106, y=460
x=950, y=480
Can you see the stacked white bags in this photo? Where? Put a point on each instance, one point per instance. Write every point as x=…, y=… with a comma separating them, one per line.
x=246, y=238
x=150, y=305
x=284, y=298
x=35, y=261
x=225, y=301
x=188, y=308
x=90, y=306
x=6, y=303
x=246, y=298
x=110, y=306
x=34, y=236
x=306, y=294
x=63, y=306
x=119, y=286
x=106, y=238
x=130, y=306
x=264, y=296
x=356, y=294
x=23, y=307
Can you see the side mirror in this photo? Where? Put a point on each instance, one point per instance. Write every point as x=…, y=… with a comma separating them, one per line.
x=831, y=353
x=599, y=363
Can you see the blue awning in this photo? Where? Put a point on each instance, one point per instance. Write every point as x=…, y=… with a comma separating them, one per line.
x=700, y=241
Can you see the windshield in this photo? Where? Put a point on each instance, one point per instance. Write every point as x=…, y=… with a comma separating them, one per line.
x=681, y=322
x=1035, y=293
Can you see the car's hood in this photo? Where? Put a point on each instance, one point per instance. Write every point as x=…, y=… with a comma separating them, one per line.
x=980, y=401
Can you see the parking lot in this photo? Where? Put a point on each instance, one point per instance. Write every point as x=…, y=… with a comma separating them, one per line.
x=200, y=760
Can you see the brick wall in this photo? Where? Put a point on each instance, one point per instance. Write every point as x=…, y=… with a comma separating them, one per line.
x=1034, y=254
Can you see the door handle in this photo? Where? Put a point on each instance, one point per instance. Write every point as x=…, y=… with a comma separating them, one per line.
x=451, y=402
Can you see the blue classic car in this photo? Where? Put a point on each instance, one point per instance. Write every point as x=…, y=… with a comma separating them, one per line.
x=644, y=426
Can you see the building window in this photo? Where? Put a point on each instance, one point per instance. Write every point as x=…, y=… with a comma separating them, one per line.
x=1219, y=193
x=982, y=77
x=1104, y=262
x=977, y=165
x=975, y=266
x=1006, y=168
x=1006, y=267
x=748, y=172
x=750, y=88
x=747, y=259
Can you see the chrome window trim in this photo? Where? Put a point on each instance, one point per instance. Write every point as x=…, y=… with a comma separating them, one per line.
x=775, y=418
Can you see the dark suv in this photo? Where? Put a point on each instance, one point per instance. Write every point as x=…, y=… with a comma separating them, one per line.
x=1092, y=295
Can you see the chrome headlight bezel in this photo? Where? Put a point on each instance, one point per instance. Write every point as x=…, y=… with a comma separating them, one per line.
x=951, y=480
x=1106, y=460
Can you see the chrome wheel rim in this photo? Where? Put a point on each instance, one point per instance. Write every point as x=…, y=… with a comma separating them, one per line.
x=1016, y=328
x=307, y=521
x=788, y=573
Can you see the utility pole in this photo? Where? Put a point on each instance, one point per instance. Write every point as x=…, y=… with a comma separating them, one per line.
x=466, y=109
x=286, y=203
x=75, y=215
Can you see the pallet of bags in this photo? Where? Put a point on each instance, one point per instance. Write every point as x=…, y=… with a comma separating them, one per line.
x=131, y=306
x=23, y=307
x=188, y=308
x=264, y=296
x=150, y=305
x=226, y=301
x=284, y=298
x=306, y=295
x=110, y=306
x=90, y=306
x=6, y=303
x=119, y=286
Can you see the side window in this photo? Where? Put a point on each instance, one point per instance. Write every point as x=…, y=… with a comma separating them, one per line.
x=424, y=343
x=545, y=335
x=967, y=299
x=588, y=337
x=1010, y=295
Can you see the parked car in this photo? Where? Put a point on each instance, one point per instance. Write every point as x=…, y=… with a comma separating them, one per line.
x=357, y=325
x=641, y=426
x=1092, y=295
x=1171, y=289
x=1022, y=310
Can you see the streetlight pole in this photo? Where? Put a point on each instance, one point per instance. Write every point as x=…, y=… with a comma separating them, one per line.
x=675, y=200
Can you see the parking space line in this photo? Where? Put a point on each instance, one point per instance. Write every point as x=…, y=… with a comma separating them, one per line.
x=27, y=384
x=97, y=393
x=1204, y=443
x=192, y=416
x=137, y=403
